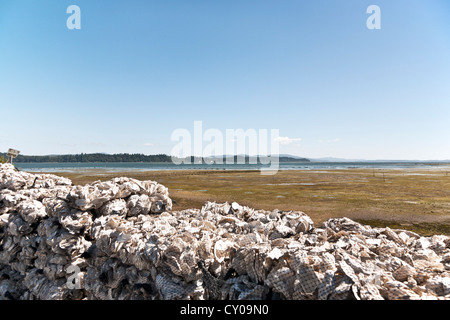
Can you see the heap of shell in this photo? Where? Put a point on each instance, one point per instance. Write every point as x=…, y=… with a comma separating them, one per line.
x=120, y=239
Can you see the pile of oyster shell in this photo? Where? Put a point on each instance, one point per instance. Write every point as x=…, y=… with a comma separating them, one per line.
x=120, y=239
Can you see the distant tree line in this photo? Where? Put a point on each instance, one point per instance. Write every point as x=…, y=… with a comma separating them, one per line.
x=135, y=157
x=94, y=157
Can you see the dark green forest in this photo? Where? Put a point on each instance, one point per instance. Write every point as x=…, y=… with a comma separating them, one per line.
x=94, y=157
x=120, y=157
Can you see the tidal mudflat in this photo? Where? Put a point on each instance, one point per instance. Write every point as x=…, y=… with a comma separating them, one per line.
x=412, y=199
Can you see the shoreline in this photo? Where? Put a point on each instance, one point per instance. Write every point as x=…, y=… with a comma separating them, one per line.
x=118, y=167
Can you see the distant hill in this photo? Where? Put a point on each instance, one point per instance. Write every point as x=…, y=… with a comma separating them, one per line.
x=292, y=159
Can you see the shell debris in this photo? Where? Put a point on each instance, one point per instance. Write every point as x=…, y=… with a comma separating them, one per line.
x=120, y=240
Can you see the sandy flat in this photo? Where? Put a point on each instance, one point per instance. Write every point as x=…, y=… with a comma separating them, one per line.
x=413, y=199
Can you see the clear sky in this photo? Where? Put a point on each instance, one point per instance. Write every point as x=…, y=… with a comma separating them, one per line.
x=138, y=70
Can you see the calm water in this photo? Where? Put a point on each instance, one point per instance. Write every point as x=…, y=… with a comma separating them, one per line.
x=140, y=166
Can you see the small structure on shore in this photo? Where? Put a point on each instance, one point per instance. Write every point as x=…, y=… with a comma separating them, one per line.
x=12, y=153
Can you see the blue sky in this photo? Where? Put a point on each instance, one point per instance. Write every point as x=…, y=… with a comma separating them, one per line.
x=138, y=70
